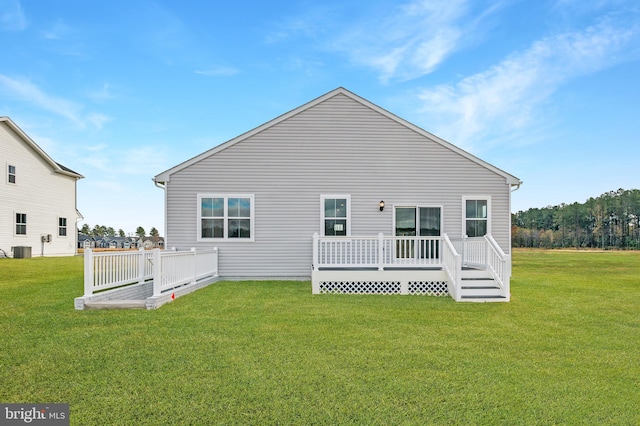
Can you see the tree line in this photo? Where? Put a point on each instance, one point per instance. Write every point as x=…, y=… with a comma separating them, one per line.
x=100, y=231
x=609, y=221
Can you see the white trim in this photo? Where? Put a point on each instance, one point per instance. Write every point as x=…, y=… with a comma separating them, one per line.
x=166, y=175
x=55, y=166
x=226, y=197
x=417, y=206
x=324, y=197
x=15, y=225
x=465, y=198
x=66, y=227
x=9, y=174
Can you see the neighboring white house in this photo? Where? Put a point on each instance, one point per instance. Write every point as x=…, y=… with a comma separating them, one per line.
x=346, y=170
x=38, y=208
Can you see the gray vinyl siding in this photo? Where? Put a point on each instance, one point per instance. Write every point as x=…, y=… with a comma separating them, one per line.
x=338, y=146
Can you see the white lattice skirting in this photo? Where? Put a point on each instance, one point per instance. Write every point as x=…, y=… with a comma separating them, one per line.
x=431, y=282
x=420, y=288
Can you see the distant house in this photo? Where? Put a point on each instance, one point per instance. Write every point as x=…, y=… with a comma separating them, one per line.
x=39, y=206
x=152, y=242
x=107, y=242
x=346, y=193
x=86, y=241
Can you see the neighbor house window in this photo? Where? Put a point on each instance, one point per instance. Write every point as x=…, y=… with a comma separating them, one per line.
x=225, y=217
x=477, y=216
x=62, y=226
x=21, y=224
x=11, y=174
x=336, y=212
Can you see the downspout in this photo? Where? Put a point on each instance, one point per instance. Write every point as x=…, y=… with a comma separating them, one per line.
x=514, y=187
x=79, y=216
x=163, y=186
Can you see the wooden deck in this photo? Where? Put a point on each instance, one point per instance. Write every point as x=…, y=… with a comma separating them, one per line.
x=471, y=270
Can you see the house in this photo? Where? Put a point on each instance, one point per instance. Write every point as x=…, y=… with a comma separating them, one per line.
x=151, y=242
x=346, y=193
x=38, y=208
x=86, y=241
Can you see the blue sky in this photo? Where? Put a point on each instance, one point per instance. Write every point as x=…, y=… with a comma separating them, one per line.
x=120, y=91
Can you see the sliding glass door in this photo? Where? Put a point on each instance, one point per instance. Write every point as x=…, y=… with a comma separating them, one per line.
x=417, y=221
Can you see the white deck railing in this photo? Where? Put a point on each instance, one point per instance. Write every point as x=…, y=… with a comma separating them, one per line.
x=452, y=264
x=474, y=251
x=485, y=252
x=498, y=263
x=376, y=252
x=167, y=269
x=382, y=252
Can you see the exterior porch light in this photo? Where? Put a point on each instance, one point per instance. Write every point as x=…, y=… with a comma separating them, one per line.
x=381, y=204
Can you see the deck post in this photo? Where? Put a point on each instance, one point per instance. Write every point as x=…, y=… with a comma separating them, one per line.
x=458, y=283
x=141, y=265
x=507, y=276
x=215, y=261
x=88, y=272
x=157, y=272
x=195, y=265
x=464, y=249
x=315, y=259
x=380, y=252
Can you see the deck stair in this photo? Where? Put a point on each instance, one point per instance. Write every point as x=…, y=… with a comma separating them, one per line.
x=479, y=286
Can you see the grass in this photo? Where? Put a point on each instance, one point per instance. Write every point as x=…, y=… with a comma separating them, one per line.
x=565, y=350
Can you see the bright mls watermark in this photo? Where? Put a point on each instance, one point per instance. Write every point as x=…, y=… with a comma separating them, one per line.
x=34, y=414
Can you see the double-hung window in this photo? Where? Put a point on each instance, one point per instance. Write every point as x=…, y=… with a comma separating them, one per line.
x=477, y=213
x=21, y=224
x=336, y=211
x=226, y=217
x=11, y=173
x=62, y=226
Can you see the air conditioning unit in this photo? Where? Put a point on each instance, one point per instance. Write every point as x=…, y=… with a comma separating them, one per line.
x=21, y=252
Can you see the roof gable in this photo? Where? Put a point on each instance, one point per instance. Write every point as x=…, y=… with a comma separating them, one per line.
x=57, y=167
x=166, y=175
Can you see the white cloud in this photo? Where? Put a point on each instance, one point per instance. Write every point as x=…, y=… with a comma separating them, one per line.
x=25, y=90
x=28, y=91
x=102, y=94
x=145, y=160
x=58, y=31
x=98, y=120
x=399, y=41
x=410, y=42
x=218, y=71
x=316, y=20
x=12, y=17
x=504, y=99
x=138, y=161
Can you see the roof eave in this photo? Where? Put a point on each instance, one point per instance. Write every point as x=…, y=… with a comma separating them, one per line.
x=165, y=176
x=58, y=168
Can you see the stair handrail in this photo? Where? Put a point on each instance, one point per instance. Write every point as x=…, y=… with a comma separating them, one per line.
x=452, y=264
x=499, y=264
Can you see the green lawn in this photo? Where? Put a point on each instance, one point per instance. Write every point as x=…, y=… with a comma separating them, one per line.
x=565, y=350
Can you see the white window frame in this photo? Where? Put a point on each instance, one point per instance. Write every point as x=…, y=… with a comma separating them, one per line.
x=324, y=197
x=466, y=198
x=225, y=218
x=15, y=224
x=65, y=227
x=10, y=174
